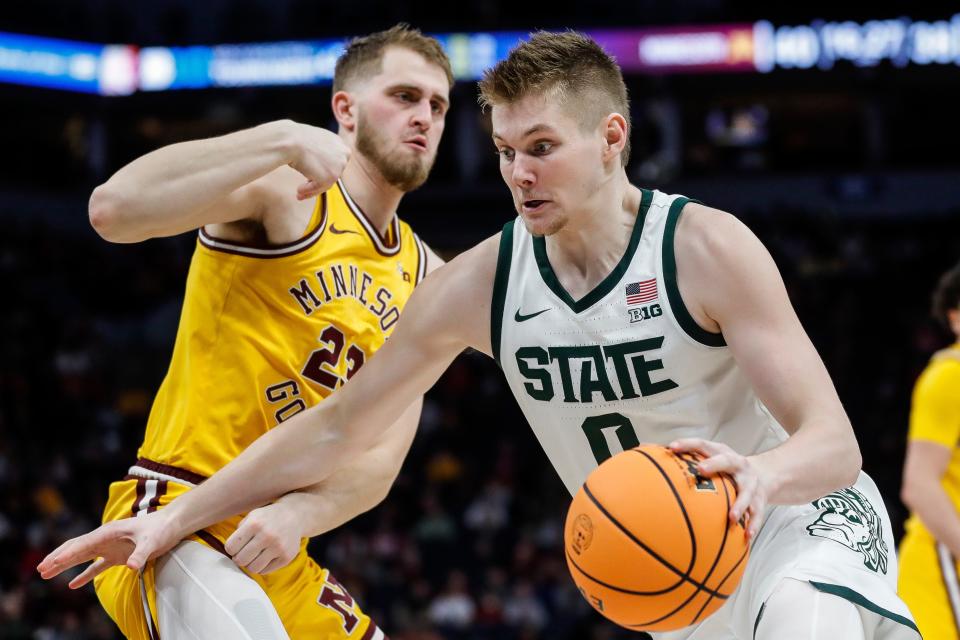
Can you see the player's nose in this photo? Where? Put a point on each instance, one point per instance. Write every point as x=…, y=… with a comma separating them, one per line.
x=523, y=175
x=422, y=115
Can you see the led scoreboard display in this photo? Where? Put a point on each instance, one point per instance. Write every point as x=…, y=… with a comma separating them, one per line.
x=759, y=47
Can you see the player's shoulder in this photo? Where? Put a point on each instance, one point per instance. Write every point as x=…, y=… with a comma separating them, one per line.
x=701, y=223
x=942, y=375
x=712, y=238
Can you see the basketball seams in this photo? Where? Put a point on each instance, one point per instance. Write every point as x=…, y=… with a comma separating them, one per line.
x=723, y=544
x=628, y=592
x=683, y=508
x=701, y=587
x=684, y=577
x=743, y=556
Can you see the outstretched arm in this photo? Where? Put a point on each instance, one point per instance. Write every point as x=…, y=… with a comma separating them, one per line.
x=730, y=283
x=187, y=185
x=448, y=312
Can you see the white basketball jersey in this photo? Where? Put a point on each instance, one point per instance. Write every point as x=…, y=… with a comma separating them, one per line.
x=626, y=364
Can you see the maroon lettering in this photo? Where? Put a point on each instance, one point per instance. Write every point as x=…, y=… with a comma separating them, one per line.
x=334, y=597
x=302, y=293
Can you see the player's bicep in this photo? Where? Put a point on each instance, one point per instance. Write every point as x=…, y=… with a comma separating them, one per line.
x=741, y=289
x=265, y=200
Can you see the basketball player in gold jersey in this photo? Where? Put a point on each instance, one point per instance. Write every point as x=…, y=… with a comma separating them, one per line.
x=931, y=483
x=300, y=273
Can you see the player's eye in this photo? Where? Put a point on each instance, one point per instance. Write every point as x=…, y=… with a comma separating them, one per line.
x=437, y=108
x=505, y=154
x=542, y=148
x=404, y=96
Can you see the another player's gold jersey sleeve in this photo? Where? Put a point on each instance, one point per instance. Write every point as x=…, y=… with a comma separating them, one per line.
x=935, y=411
x=266, y=332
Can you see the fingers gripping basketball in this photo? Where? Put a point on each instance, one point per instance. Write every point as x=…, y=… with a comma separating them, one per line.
x=648, y=541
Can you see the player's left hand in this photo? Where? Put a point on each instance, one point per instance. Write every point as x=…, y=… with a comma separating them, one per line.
x=752, y=491
x=267, y=539
x=131, y=542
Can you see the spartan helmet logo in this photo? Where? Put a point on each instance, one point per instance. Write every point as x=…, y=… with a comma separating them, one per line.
x=849, y=518
x=582, y=534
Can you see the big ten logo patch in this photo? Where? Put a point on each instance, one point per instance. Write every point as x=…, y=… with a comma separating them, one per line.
x=334, y=596
x=639, y=314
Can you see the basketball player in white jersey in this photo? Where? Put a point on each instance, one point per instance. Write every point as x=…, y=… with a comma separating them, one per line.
x=619, y=315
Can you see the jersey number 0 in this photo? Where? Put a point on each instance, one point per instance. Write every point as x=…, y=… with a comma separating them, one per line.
x=622, y=428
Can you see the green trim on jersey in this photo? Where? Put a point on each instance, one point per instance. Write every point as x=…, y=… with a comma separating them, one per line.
x=680, y=312
x=608, y=283
x=756, y=623
x=500, y=280
x=849, y=594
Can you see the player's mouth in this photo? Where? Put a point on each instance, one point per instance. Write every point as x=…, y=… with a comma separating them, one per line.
x=533, y=205
x=419, y=143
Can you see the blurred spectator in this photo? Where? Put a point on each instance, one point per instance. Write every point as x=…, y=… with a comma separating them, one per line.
x=523, y=609
x=453, y=609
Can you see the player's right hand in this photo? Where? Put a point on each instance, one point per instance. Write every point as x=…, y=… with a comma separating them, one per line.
x=131, y=542
x=267, y=539
x=320, y=155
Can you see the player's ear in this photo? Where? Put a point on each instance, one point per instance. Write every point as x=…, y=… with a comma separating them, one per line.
x=953, y=318
x=344, y=109
x=615, y=134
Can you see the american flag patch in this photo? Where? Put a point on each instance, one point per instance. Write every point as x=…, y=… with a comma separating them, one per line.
x=641, y=292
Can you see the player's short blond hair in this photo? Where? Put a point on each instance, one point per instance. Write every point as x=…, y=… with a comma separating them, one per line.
x=568, y=66
x=364, y=55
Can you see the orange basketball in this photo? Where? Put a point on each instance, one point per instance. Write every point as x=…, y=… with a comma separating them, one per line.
x=649, y=542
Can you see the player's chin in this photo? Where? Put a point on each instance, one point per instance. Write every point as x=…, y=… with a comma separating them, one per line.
x=543, y=225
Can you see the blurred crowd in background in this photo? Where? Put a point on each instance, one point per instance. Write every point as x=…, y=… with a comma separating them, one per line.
x=848, y=176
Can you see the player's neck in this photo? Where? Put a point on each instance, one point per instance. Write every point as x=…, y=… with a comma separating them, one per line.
x=592, y=243
x=375, y=196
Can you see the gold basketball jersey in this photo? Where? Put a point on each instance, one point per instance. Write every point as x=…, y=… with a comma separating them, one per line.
x=935, y=417
x=267, y=332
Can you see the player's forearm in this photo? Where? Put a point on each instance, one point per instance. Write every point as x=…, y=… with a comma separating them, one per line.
x=302, y=452
x=168, y=190
x=339, y=499
x=926, y=498
x=817, y=459
x=358, y=486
